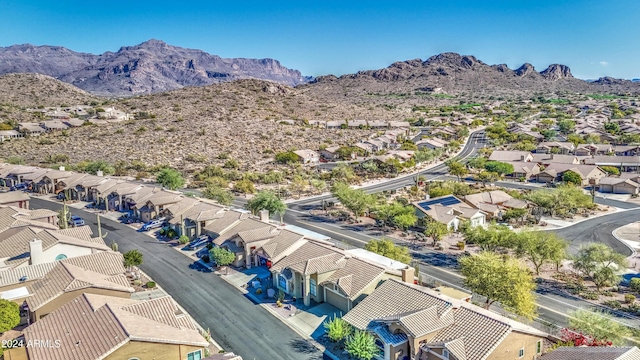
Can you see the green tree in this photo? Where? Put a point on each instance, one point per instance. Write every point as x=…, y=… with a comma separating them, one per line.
x=287, y=157
x=267, y=200
x=170, y=178
x=298, y=185
x=548, y=134
x=405, y=221
x=498, y=167
x=244, y=186
x=132, y=258
x=319, y=186
x=337, y=329
x=575, y=139
x=356, y=200
x=611, y=170
x=477, y=162
x=361, y=345
x=612, y=127
x=541, y=247
x=343, y=173
x=220, y=195
x=386, y=247
x=502, y=279
x=599, y=262
x=436, y=230
x=485, y=177
x=9, y=315
x=599, y=325
x=456, y=168
x=491, y=238
x=566, y=126
x=572, y=177
x=634, y=284
x=222, y=257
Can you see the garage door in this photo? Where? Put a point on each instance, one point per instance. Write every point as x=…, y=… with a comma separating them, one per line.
x=337, y=301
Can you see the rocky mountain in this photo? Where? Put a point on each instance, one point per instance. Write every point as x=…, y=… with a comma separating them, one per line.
x=150, y=67
x=456, y=74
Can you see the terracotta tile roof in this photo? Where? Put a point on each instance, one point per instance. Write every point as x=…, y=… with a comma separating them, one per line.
x=13, y=196
x=593, y=353
x=178, y=209
x=29, y=273
x=355, y=276
x=312, y=258
x=495, y=197
x=259, y=234
x=204, y=211
x=93, y=326
x=39, y=214
x=94, y=243
x=66, y=277
x=16, y=248
x=507, y=155
x=393, y=298
x=276, y=246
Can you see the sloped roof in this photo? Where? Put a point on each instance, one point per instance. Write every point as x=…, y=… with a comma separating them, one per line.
x=582, y=170
x=495, y=197
x=617, y=181
x=311, y=258
x=226, y=221
x=259, y=234
x=593, y=353
x=279, y=244
x=81, y=232
x=93, y=326
x=13, y=196
x=66, y=277
x=508, y=155
x=355, y=276
x=555, y=159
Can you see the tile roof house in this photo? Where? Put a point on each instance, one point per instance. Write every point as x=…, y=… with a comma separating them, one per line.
x=547, y=159
x=495, y=202
x=617, y=185
x=450, y=211
x=18, y=199
x=507, y=155
x=323, y=273
x=411, y=321
x=66, y=281
x=554, y=172
x=556, y=147
x=523, y=170
x=593, y=353
x=624, y=163
x=92, y=327
x=593, y=149
x=307, y=156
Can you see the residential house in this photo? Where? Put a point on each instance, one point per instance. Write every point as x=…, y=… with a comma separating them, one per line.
x=26, y=246
x=200, y=215
x=94, y=326
x=320, y=272
x=414, y=322
x=15, y=217
x=174, y=213
x=113, y=114
x=399, y=124
x=136, y=201
x=336, y=124
x=627, y=150
x=255, y=231
x=118, y=194
x=14, y=175
x=74, y=122
x=269, y=250
x=357, y=124
x=617, y=185
x=495, y=202
x=378, y=124
x=10, y=135
x=32, y=129
x=155, y=205
x=53, y=125
x=330, y=153
x=14, y=283
x=366, y=147
x=450, y=211
x=554, y=173
x=555, y=147
x=523, y=170
x=18, y=199
x=623, y=163
x=376, y=145
x=547, y=159
x=432, y=143
x=445, y=132
x=307, y=156
x=593, y=353
x=65, y=282
x=593, y=149
x=507, y=155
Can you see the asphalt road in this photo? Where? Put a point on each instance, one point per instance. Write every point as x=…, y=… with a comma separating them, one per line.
x=235, y=322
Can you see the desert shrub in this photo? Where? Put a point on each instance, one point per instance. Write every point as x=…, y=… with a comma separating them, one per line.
x=151, y=284
x=629, y=298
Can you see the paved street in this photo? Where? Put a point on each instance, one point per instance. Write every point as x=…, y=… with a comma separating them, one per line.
x=235, y=322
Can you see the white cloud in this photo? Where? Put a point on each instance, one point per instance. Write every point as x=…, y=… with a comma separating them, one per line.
x=604, y=63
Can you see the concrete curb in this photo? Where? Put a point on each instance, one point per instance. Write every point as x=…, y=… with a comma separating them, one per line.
x=621, y=240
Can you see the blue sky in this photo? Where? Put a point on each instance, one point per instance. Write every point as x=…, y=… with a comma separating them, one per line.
x=594, y=38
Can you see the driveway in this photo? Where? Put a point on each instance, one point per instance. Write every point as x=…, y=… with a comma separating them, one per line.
x=235, y=322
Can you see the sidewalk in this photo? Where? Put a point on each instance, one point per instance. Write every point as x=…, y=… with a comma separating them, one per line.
x=630, y=236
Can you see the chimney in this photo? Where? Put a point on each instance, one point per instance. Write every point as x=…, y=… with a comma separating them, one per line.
x=35, y=252
x=521, y=157
x=408, y=275
x=99, y=173
x=264, y=215
x=61, y=168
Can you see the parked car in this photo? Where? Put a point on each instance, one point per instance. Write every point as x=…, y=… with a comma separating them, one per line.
x=21, y=186
x=153, y=224
x=76, y=220
x=198, y=242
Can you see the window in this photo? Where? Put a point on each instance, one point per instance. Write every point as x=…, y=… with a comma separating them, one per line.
x=539, y=347
x=196, y=355
x=521, y=353
x=445, y=353
x=312, y=287
x=61, y=257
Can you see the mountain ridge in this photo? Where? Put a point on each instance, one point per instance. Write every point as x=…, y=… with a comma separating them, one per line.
x=148, y=67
